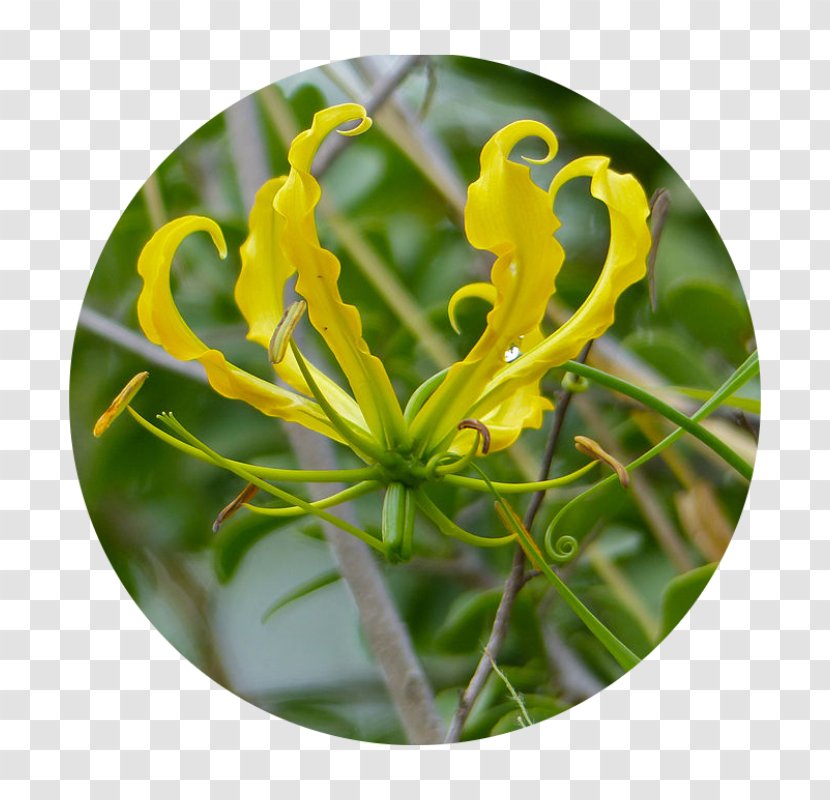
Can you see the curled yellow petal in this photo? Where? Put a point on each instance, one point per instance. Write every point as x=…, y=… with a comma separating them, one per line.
x=157, y=312
x=482, y=291
x=318, y=271
x=121, y=401
x=625, y=263
x=523, y=408
x=265, y=271
x=509, y=215
x=164, y=325
x=259, y=294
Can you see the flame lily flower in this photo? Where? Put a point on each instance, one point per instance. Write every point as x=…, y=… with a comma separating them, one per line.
x=479, y=404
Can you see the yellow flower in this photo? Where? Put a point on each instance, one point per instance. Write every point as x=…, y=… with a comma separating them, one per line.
x=496, y=384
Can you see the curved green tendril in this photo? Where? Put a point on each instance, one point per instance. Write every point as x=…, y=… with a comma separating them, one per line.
x=174, y=425
x=690, y=424
x=505, y=487
x=422, y=394
x=563, y=550
x=358, y=490
x=749, y=369
x=356, y=439
x=461, y=462
x=449, y=528
x=624, y=656
x=266, y=473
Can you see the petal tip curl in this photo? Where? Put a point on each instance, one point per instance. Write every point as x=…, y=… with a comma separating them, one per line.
x=363, y=125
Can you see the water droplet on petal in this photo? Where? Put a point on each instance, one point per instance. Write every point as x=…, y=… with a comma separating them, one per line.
x=512, y=353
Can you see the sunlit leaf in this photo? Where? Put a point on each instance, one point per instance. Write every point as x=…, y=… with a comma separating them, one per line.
x=712, y=314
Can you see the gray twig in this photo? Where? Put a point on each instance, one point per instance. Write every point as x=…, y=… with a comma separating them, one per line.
x=381, y=92
x=577, y=682
x=116, y=333
x=659, y=206
x=515, y=580
x=498, y=633
x=465, y=568
x=552, y=444
x=409, y=133
x=385, y=631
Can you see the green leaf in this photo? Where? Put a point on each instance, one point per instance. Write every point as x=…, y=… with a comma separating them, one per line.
x=674, y=355
x=712, y=314
x=512, y=721
x=619, y=542
x=470, y=617
x=306, y=100
x=689, y=424
x=621, y=653
x=467, y=620
x=744, y=373
x=304, y=589
x=539, y=708
x=236, y=539
x=680, y=595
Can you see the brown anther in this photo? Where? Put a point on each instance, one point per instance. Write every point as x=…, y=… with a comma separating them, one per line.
x=122, y=400
x=477, y=425
x=229, y=510
x=593, y=450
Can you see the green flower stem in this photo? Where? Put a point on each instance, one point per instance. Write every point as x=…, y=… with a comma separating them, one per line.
x=689, y=424
x=744, y=373
x=449, y=528
x=286, y=497
x=748, y=370
x=267, y=473
x=506, y=487
x=356, y=439
x=358, y=490
x=748, y=404
x=621, y=653
x=460, y=463
x=422, y=394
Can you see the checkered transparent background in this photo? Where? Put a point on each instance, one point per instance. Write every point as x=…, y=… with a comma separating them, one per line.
x=94, y=94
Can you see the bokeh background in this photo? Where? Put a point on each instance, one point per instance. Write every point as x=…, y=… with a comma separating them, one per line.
x=395, y=199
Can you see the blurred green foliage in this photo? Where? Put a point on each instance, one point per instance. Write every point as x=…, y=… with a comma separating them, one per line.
x=153, y=508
